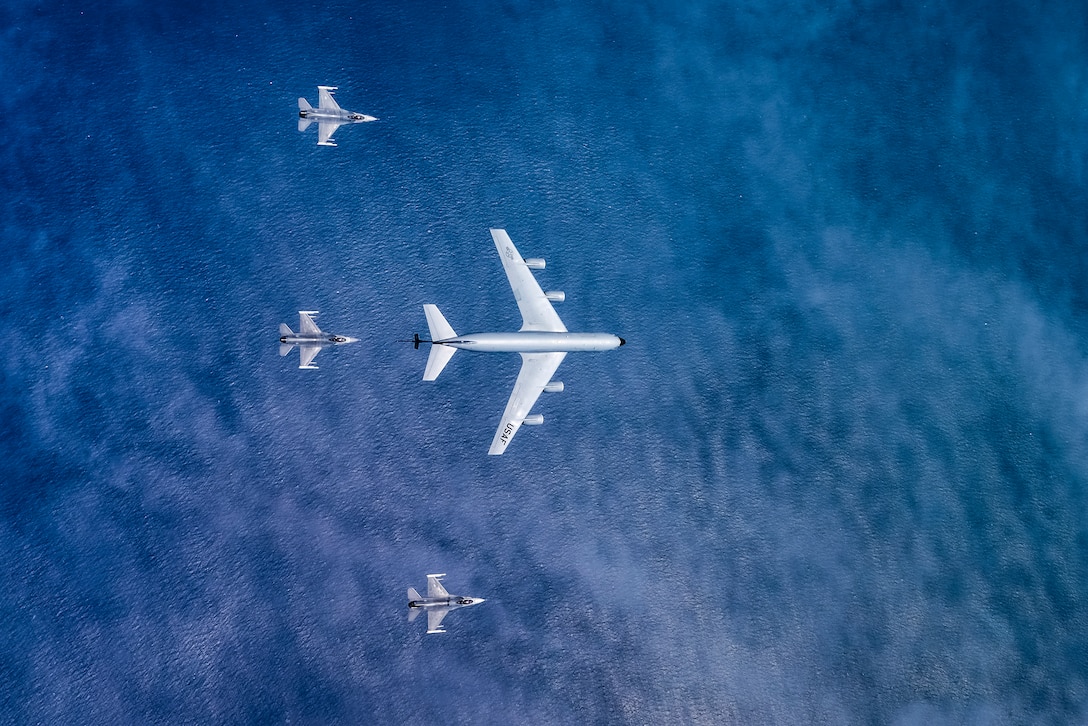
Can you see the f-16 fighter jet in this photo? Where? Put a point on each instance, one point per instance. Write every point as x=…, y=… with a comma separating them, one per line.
x=543, y=342
x=328, y=115
x=437, y=603
x=309, y=339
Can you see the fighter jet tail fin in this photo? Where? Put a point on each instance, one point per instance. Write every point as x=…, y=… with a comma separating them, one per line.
x=413, y=613
x=285, y=348
x=304, y=123
x=285, y=329
x=413, y=594
x=304, y=105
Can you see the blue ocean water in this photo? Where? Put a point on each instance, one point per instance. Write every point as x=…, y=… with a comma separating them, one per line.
x=837, y=475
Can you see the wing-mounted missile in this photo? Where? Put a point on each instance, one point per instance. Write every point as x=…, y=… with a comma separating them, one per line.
x=555, y=295
x=534, y=420
x=535, y=263
x=554, y=387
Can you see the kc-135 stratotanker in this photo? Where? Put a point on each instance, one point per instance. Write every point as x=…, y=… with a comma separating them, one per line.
x=543, y=342
x=328, y=115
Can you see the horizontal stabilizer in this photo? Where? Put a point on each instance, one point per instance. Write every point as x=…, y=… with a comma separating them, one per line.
x=304, y=105
x=304, y=123
x=413, y=613
x=413, y=594
x=440, y=329
x=285, y=348
x=285, y=329
x=437, y=360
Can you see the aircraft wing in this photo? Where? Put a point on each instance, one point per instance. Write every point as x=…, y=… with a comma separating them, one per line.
x=537, y=370
x=306, y=324
x=435, y=588
x=325, y=130
x=434, y=619
x=537, y=312
x=325, y=100
x=306, y=354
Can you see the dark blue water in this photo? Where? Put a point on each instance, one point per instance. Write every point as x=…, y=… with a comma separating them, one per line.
x=837, y=475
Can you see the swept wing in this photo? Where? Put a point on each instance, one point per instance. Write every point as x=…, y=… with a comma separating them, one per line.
x=434, y=587
x=434, y=619
x=325, y=100
x=537, y=370
x=537, y=312
x=306, y=355
x=306, y=324
x=325, y=130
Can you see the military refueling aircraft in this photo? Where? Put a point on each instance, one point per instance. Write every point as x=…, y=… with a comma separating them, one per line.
x=328, y=115
x=309, y=339
x=437, y=603
x=543, y=341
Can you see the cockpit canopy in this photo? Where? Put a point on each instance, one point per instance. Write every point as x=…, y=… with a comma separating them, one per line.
x=337, y=339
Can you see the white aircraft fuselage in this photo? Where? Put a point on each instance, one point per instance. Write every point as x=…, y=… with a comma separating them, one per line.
x=533, y=342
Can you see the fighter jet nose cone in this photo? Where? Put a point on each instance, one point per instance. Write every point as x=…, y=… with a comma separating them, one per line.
x=622, y=341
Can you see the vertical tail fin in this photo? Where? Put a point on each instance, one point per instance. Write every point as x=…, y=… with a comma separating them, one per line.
x=440, y=354
x=304, y=105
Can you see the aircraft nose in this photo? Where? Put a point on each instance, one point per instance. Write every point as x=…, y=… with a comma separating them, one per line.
x=350, y=340
x=622, y=341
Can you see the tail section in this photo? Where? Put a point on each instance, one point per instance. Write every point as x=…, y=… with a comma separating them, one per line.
x=304, y=105
x=285, y=330
x=440, y=329
x=285, y=348
x=440, y=354
x=304, y=123
x=413, y=595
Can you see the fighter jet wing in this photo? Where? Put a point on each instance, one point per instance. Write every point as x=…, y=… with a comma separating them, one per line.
x=537, y=370
x=306, y=354
x=434, y=587
x=537, y=312
x=325, y=101
x=325, y=130
x=306, y=324
x=434, y=619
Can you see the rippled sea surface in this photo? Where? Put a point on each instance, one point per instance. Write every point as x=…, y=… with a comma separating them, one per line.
x=837, y=475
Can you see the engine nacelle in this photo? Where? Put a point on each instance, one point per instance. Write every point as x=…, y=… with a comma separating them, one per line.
x=535, y=263
x=556, y=295
x=554, y=387
x=534, y=420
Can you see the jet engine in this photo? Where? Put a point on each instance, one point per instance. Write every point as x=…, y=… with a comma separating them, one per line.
x=534, y=420
x=535, y=263
x=554, y=387
x=556, y=295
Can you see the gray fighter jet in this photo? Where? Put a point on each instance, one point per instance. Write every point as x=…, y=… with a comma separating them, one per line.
x=309, y=339
x=328, y=115
x=437, y=603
